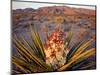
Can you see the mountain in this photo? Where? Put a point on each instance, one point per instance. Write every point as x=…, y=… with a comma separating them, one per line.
x=81, y=21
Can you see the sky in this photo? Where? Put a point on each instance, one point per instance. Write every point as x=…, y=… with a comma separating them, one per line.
x=23, y=5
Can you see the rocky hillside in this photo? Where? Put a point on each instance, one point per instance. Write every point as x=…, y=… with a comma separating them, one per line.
x=81, y=21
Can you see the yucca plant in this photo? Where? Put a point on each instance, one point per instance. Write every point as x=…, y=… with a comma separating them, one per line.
x=53, y=55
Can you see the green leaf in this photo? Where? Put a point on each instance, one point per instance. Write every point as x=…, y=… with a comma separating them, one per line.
x=82, y=56
x=29, y=55
x=82, y=48
x=74, y=49
x=37, y=41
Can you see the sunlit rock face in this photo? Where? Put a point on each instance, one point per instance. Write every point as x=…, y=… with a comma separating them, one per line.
x=55, y=50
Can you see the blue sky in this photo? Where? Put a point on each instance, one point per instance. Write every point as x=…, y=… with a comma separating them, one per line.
x=22, y=5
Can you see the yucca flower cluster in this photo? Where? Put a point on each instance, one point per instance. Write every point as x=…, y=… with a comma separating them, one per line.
x=53, y=55
x=55, y=49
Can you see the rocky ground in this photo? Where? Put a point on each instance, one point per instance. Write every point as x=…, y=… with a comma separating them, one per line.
x=82, y=22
